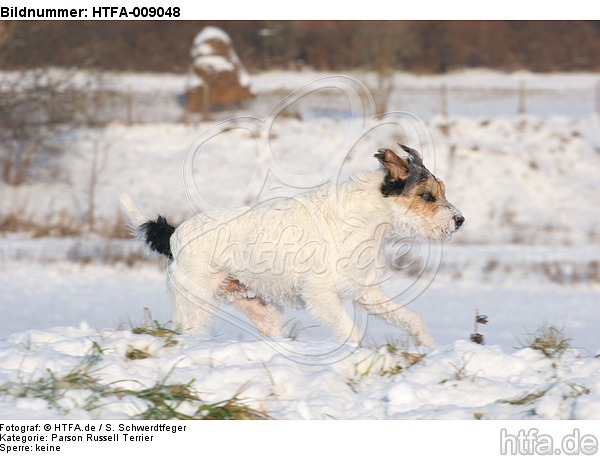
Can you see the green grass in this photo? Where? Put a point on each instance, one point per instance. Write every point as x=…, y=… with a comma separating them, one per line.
x=53, y=388
x=155, y=329
x=231, y=409
x=163, y=400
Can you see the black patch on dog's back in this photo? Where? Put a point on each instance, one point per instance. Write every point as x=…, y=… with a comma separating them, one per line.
x=158, y=235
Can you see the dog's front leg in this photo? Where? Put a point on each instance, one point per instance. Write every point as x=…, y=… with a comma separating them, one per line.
x=325, y=305
x=377, y=303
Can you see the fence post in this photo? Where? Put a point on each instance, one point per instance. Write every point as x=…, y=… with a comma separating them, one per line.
x=522, y=106
x=129, y=101
x=598, y=97
x=444, y=99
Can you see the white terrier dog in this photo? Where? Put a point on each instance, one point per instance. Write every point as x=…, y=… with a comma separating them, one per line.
x=320, y=250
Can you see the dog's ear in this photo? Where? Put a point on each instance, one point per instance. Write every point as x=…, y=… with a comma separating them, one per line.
x=414, y=156
x=397, y=166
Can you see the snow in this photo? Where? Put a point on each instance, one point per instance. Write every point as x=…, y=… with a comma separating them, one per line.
x=211, y=33
x=213, y=63
x=43, y=295
x=461, y=380
x=528, y=255
x=535, y=164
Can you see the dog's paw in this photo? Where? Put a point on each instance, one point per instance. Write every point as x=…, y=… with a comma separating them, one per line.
x=426, y=340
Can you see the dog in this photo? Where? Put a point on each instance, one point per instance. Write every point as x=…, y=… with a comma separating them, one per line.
x=318, y=250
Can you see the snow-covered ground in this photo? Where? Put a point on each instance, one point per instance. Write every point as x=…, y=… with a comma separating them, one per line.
x=528, y=256
x=460, y=380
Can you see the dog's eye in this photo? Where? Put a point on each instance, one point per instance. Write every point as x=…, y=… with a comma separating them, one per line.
x=428, y=197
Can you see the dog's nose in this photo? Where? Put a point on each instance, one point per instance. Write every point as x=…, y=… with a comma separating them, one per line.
x=458, y=221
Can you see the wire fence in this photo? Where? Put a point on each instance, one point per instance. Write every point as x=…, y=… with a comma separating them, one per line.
x=523, y=98
x=443, y=99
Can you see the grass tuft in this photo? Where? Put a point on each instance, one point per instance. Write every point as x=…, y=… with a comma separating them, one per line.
x=461, y=372
x=401, y=359
x=231, y=409
x=387, y=360
x=163, y=400
x=155, y=329
x=550, y=340
x=137, y=353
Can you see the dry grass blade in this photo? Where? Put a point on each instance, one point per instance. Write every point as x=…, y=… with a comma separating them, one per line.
x=526, y=399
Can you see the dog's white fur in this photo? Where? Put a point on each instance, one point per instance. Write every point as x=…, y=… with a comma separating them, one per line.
x=321, y=250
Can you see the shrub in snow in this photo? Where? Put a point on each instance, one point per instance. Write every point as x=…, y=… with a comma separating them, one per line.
x=218, y=77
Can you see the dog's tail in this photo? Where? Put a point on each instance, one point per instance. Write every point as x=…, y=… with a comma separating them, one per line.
x=155, y=233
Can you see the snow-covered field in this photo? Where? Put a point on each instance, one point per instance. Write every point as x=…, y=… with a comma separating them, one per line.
x=527, y=257
x=459, y=380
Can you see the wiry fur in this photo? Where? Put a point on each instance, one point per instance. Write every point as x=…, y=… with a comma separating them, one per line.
x=320, y=250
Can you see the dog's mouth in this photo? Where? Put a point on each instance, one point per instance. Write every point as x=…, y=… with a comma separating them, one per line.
x=448, y=237
x=434, y=235
x=443, y=235
x=458, y=222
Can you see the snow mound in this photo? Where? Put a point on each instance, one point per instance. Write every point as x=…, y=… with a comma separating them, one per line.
x=462, y=380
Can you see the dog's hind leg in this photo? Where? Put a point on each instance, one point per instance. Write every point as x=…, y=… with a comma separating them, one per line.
x=377, y=303
x=192, y=315
x=266, y=318
x=194, y=303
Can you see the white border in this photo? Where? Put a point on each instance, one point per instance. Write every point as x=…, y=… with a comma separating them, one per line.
x=332, y=10
x=344, y=438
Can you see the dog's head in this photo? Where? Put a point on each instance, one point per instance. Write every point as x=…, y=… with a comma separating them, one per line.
x=417, y=198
